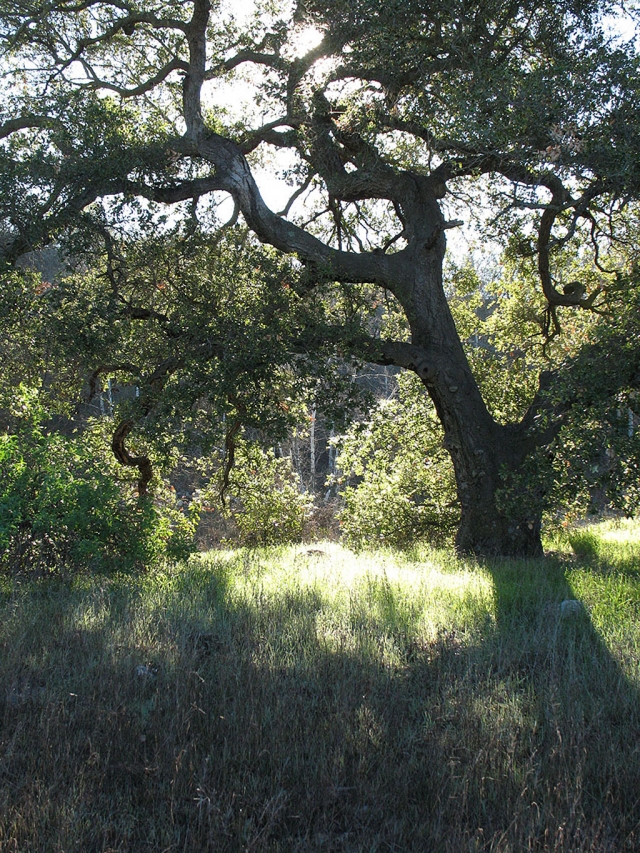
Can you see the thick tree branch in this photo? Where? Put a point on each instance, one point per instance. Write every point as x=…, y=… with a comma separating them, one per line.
x=233, y=174
x=147, y=86
x=331, y=148
x=29, y=121
x=271, y=60
x=268, y=133
x=196, y=33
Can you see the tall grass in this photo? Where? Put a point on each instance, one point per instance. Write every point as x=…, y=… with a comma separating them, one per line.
x=307, y=699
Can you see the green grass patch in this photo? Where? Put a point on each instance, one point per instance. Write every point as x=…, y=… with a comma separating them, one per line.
x=309, y=699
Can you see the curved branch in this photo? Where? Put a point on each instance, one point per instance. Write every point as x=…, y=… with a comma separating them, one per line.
x=268, y=133
x=295, y=196
x=24, y=122
x=271, y=60
x=106, y=368
x=175, y=65
x=403, y=354
x=233, y=175
x=142, y=463
x=155, y=380
x=576, y=297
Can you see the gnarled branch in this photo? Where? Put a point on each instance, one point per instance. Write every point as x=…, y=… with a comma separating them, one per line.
x=142, y=463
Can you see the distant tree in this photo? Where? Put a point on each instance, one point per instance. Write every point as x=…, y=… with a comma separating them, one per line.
x=404, y=117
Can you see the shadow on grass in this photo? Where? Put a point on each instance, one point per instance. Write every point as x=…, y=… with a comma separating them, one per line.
x=586, y=710
x=174, y=714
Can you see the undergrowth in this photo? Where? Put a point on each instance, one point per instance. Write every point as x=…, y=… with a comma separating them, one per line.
x=307, y=699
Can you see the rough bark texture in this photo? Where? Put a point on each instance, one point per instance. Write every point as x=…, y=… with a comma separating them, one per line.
x=481, y=449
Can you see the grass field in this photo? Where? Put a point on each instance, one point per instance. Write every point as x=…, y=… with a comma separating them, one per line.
x=309, y=699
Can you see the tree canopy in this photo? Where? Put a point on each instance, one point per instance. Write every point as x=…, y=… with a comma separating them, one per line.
x=126, y=125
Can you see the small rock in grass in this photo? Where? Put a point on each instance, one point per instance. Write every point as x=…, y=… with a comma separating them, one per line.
x=571, y=607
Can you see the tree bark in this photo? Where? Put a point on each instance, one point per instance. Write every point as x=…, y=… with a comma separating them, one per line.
x=482, y=451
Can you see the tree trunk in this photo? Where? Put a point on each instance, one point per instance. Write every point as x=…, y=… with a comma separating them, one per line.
x=142, y=463
x=489, y=527
x=482, y=450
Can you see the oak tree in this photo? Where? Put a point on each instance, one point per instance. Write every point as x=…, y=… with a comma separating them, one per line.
x=391, y=122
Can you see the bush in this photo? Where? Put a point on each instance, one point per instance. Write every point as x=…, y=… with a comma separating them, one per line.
x=66, y=504
x=398, y=485
x=264, y=498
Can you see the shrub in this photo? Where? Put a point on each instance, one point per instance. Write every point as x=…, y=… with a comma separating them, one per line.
x=264, y=498
x=398, y=484
x=66, y=504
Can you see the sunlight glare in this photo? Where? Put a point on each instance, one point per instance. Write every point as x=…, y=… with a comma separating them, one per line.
x=303, y=40
x=346, y=570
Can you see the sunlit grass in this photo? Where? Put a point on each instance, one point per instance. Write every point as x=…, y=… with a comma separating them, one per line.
x=307, y=698
x=623, y=530
x=385, y=591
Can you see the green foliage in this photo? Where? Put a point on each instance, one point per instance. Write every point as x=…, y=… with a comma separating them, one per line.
x=591, y=461
x=27, y=341
x=528, y=81
x=211, y=330
x=264, y=497
x=404, y=487
x=65, y=506
x=499, y=324
x=429, y=109
x=594, y=461
x=588, y=460
x=592, y=464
